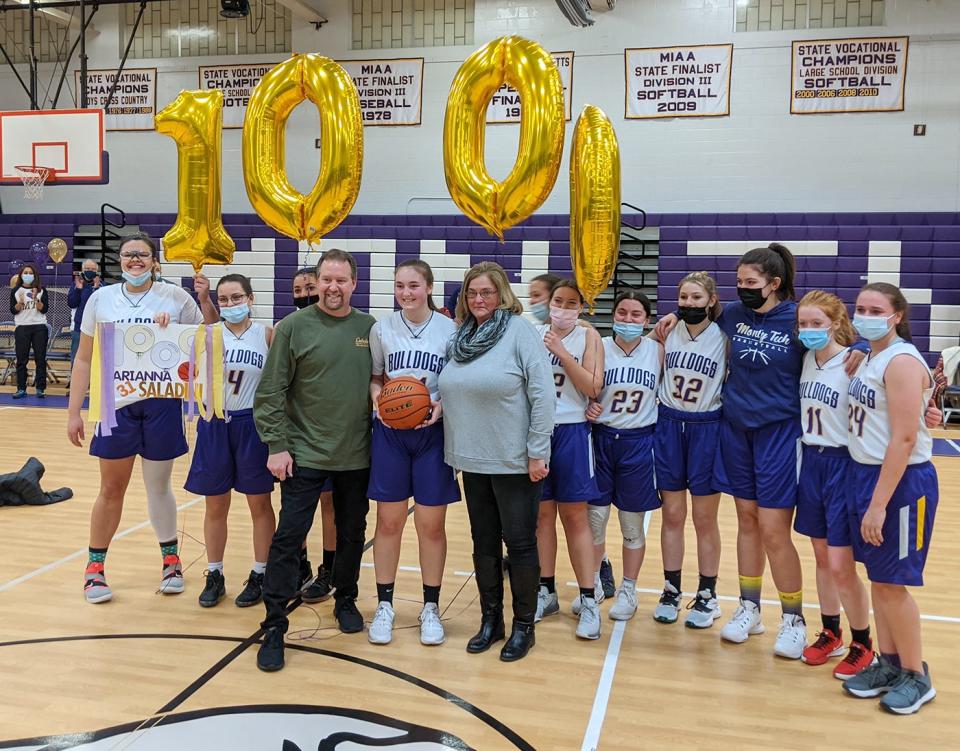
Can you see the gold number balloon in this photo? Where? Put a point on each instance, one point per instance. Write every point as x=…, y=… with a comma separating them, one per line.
x=198, y=236
x=275, y=200
x=524, y=65
x=594, y=202
x=57, y=249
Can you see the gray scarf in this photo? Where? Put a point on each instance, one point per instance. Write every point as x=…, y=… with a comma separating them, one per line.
x=471, y=340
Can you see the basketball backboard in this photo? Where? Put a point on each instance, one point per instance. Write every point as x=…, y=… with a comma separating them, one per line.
x=68, y=142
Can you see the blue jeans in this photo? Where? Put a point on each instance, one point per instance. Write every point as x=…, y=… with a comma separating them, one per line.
x=74, y=345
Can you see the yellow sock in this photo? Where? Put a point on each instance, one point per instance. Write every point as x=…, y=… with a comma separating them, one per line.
x=791, y=602
x=750, y=587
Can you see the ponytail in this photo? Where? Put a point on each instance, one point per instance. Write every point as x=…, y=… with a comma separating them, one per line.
x=774, y=261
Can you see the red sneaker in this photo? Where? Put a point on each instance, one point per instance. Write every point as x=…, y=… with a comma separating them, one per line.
x=827, y=645
x=858, y=658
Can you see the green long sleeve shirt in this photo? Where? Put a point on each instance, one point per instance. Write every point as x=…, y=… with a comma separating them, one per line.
x=314, y=397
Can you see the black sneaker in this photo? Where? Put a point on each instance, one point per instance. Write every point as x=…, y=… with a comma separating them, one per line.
x=252, y=591
x=214, y=590
x=606, y=578
x=320, y=588
x=270, y=656
x=306, y=572
x=348, y=617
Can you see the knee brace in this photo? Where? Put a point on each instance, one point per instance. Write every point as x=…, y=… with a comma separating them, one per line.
x=631, y=525
x=597, y=518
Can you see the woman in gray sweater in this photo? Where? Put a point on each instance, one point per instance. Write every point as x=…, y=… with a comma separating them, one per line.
x=498, y=407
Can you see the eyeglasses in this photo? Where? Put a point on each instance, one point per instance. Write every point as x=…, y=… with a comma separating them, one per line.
x=233, y=299
x=128, y=255
x=486, y=294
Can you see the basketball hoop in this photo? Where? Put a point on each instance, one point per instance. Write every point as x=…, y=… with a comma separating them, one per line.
x=34, y=178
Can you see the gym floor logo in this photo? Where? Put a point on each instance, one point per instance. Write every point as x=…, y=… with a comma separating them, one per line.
x=257, y=728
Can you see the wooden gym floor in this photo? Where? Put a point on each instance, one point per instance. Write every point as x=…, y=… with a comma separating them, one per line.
x=147, y=665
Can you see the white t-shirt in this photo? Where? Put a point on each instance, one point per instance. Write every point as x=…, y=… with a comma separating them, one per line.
x=629, y=396
x=823, y=400
x=400, y=348
x=29, y=316
x=114, y=304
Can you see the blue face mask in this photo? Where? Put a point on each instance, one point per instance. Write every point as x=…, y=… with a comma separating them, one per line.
x=815, y=339
x=137, y=280
x=235, y=313
x=541, y=311
x=872, y=328
x=628, y=331
x=26, y=278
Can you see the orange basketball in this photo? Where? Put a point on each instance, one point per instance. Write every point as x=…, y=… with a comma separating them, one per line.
x=404, y=403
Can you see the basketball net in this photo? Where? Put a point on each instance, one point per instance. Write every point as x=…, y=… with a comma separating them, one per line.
x=33, y=179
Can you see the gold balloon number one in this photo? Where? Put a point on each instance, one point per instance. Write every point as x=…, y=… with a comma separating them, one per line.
x=194, y=121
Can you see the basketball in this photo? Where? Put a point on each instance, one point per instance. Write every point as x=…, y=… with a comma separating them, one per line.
x=404, y=403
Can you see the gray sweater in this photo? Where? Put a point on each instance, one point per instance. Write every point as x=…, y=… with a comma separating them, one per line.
x=498, y=408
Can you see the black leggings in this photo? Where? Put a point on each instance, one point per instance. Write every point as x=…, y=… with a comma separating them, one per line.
x=504, y=507
x=25, y=337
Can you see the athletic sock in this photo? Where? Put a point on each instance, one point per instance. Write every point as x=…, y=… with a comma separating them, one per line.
x=792, y=603
x=550, y=582
x=861, y=636
x=894, y=659
x=96, y=555
x=831, y=622
x=431, y=594
x=672, y=578
x=708, y=584
x=328, y=559
x=750, y=587
x=385, y=592
x=169, y=548
x=218, y=566
x=259, y=567
x=588, y=592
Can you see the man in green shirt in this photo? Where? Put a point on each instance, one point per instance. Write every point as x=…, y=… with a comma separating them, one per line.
x=312, y=409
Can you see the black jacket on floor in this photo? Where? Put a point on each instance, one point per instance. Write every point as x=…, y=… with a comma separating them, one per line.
x=23, y=488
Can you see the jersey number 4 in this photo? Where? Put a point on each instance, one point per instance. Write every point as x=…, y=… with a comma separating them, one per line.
x=687, y=391
x=856, y=415
x=235, y=378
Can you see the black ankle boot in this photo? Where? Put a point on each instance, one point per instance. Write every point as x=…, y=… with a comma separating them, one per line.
x=489, y=578
x=519, y=643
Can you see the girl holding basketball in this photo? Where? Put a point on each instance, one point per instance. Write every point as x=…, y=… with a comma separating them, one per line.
x=576, y=356
x=892, y=488
x=230, y=455
x=685, y=447
x=822, y=513
x=151, y=428
x=624, y=414
x=409, y=462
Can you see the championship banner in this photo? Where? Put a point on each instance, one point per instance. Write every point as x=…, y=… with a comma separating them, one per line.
x=391, y=91
x=134, y=102
x=848, y=75
x=136, y=361
x=237, y=83
x=690, y=81
x=505, y=105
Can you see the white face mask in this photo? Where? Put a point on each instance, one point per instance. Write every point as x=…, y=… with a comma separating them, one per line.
x=562, y=318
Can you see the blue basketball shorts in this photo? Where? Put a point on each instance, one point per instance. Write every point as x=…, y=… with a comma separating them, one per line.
x=822, y=509
x=152, y=428
x=625, y=468
x=761, y=464
x=572, y=477
x=685, y=450
x=908, y=527
x=409, y=464
x=229, y=456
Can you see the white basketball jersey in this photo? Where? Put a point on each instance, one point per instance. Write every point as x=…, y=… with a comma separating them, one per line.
x=571, y=404
x=243, y=360
x=694, y=369
x=629, y=396
x=869, y=423
x=114, y=304
x=400, y=348
x=823, y=400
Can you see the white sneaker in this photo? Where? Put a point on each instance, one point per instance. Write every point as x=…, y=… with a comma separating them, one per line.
x=381, y=627
x=598, y=595
x=431, y=627
x=624, y=604
x=792, y=637
x=704, y=610
x=668, y=609
x=745, y=623
x=547, y=604
x=589, y=626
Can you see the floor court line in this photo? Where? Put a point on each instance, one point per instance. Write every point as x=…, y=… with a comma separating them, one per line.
x=591, y=739
x=83, y=551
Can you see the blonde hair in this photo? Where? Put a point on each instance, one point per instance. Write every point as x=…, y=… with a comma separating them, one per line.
x=498, y=277
x=703, y=279
x=835, y=310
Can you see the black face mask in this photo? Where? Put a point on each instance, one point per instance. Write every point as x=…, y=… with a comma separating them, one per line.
x=752, y=298
x=691, y=316
x=89, y=275
x=303, y=302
